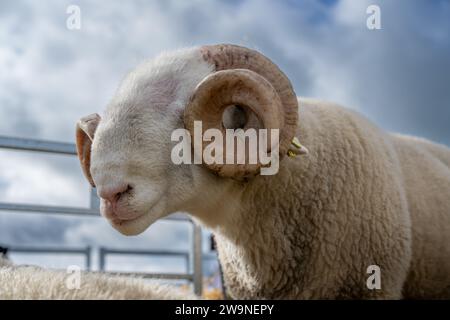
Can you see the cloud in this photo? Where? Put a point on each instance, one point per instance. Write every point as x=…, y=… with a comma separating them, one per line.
x=55, y=75
x=397, y=76
x=40, y=182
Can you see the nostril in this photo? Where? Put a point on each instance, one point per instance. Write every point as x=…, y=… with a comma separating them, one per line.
x=113, y=193
x=120, y=194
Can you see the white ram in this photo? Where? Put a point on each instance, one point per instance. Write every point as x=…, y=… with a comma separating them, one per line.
x=361, y=196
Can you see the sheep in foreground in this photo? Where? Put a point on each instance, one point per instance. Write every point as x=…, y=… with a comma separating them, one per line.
x=361, y=196
x=27, y=282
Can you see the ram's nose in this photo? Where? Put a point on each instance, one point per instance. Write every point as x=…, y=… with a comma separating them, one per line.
x=112, y=193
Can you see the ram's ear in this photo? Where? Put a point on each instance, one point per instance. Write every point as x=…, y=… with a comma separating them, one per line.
x=86, y=127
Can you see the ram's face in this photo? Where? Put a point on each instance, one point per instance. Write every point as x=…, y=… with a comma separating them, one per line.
x=129, y=167
x=127, y=153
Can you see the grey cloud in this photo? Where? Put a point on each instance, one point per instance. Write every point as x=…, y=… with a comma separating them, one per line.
x=15, y=119
x=26, y=229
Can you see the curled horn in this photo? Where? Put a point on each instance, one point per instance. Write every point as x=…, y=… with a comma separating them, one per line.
x=246, y=78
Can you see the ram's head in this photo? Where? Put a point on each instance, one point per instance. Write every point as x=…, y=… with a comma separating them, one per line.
x=127, y=153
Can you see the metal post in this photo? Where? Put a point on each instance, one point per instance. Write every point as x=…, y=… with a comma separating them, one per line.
x=196, y=259
x=102, y=259
x=88, y=258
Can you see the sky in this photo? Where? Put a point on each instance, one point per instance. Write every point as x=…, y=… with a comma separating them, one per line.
x=50, y=76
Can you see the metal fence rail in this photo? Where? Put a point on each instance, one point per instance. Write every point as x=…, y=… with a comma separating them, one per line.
x=86, y=252
x=32, y=145
x=104, y=252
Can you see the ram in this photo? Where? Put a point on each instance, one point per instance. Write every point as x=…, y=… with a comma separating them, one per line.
x=360, y=198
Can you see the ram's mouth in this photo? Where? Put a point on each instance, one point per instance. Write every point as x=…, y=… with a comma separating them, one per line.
x=118, y=216
x=130, y=227
x=121, y=221
x=138, y=223
x=124, y=221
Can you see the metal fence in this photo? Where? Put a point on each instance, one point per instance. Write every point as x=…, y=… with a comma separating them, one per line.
x=194, y=256
x=104, y=252
x=86, y=252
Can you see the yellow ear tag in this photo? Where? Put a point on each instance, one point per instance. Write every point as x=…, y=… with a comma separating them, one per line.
x=298, y=148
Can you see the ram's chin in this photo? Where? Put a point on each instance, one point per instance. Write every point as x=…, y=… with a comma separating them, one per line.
x=135, y=226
